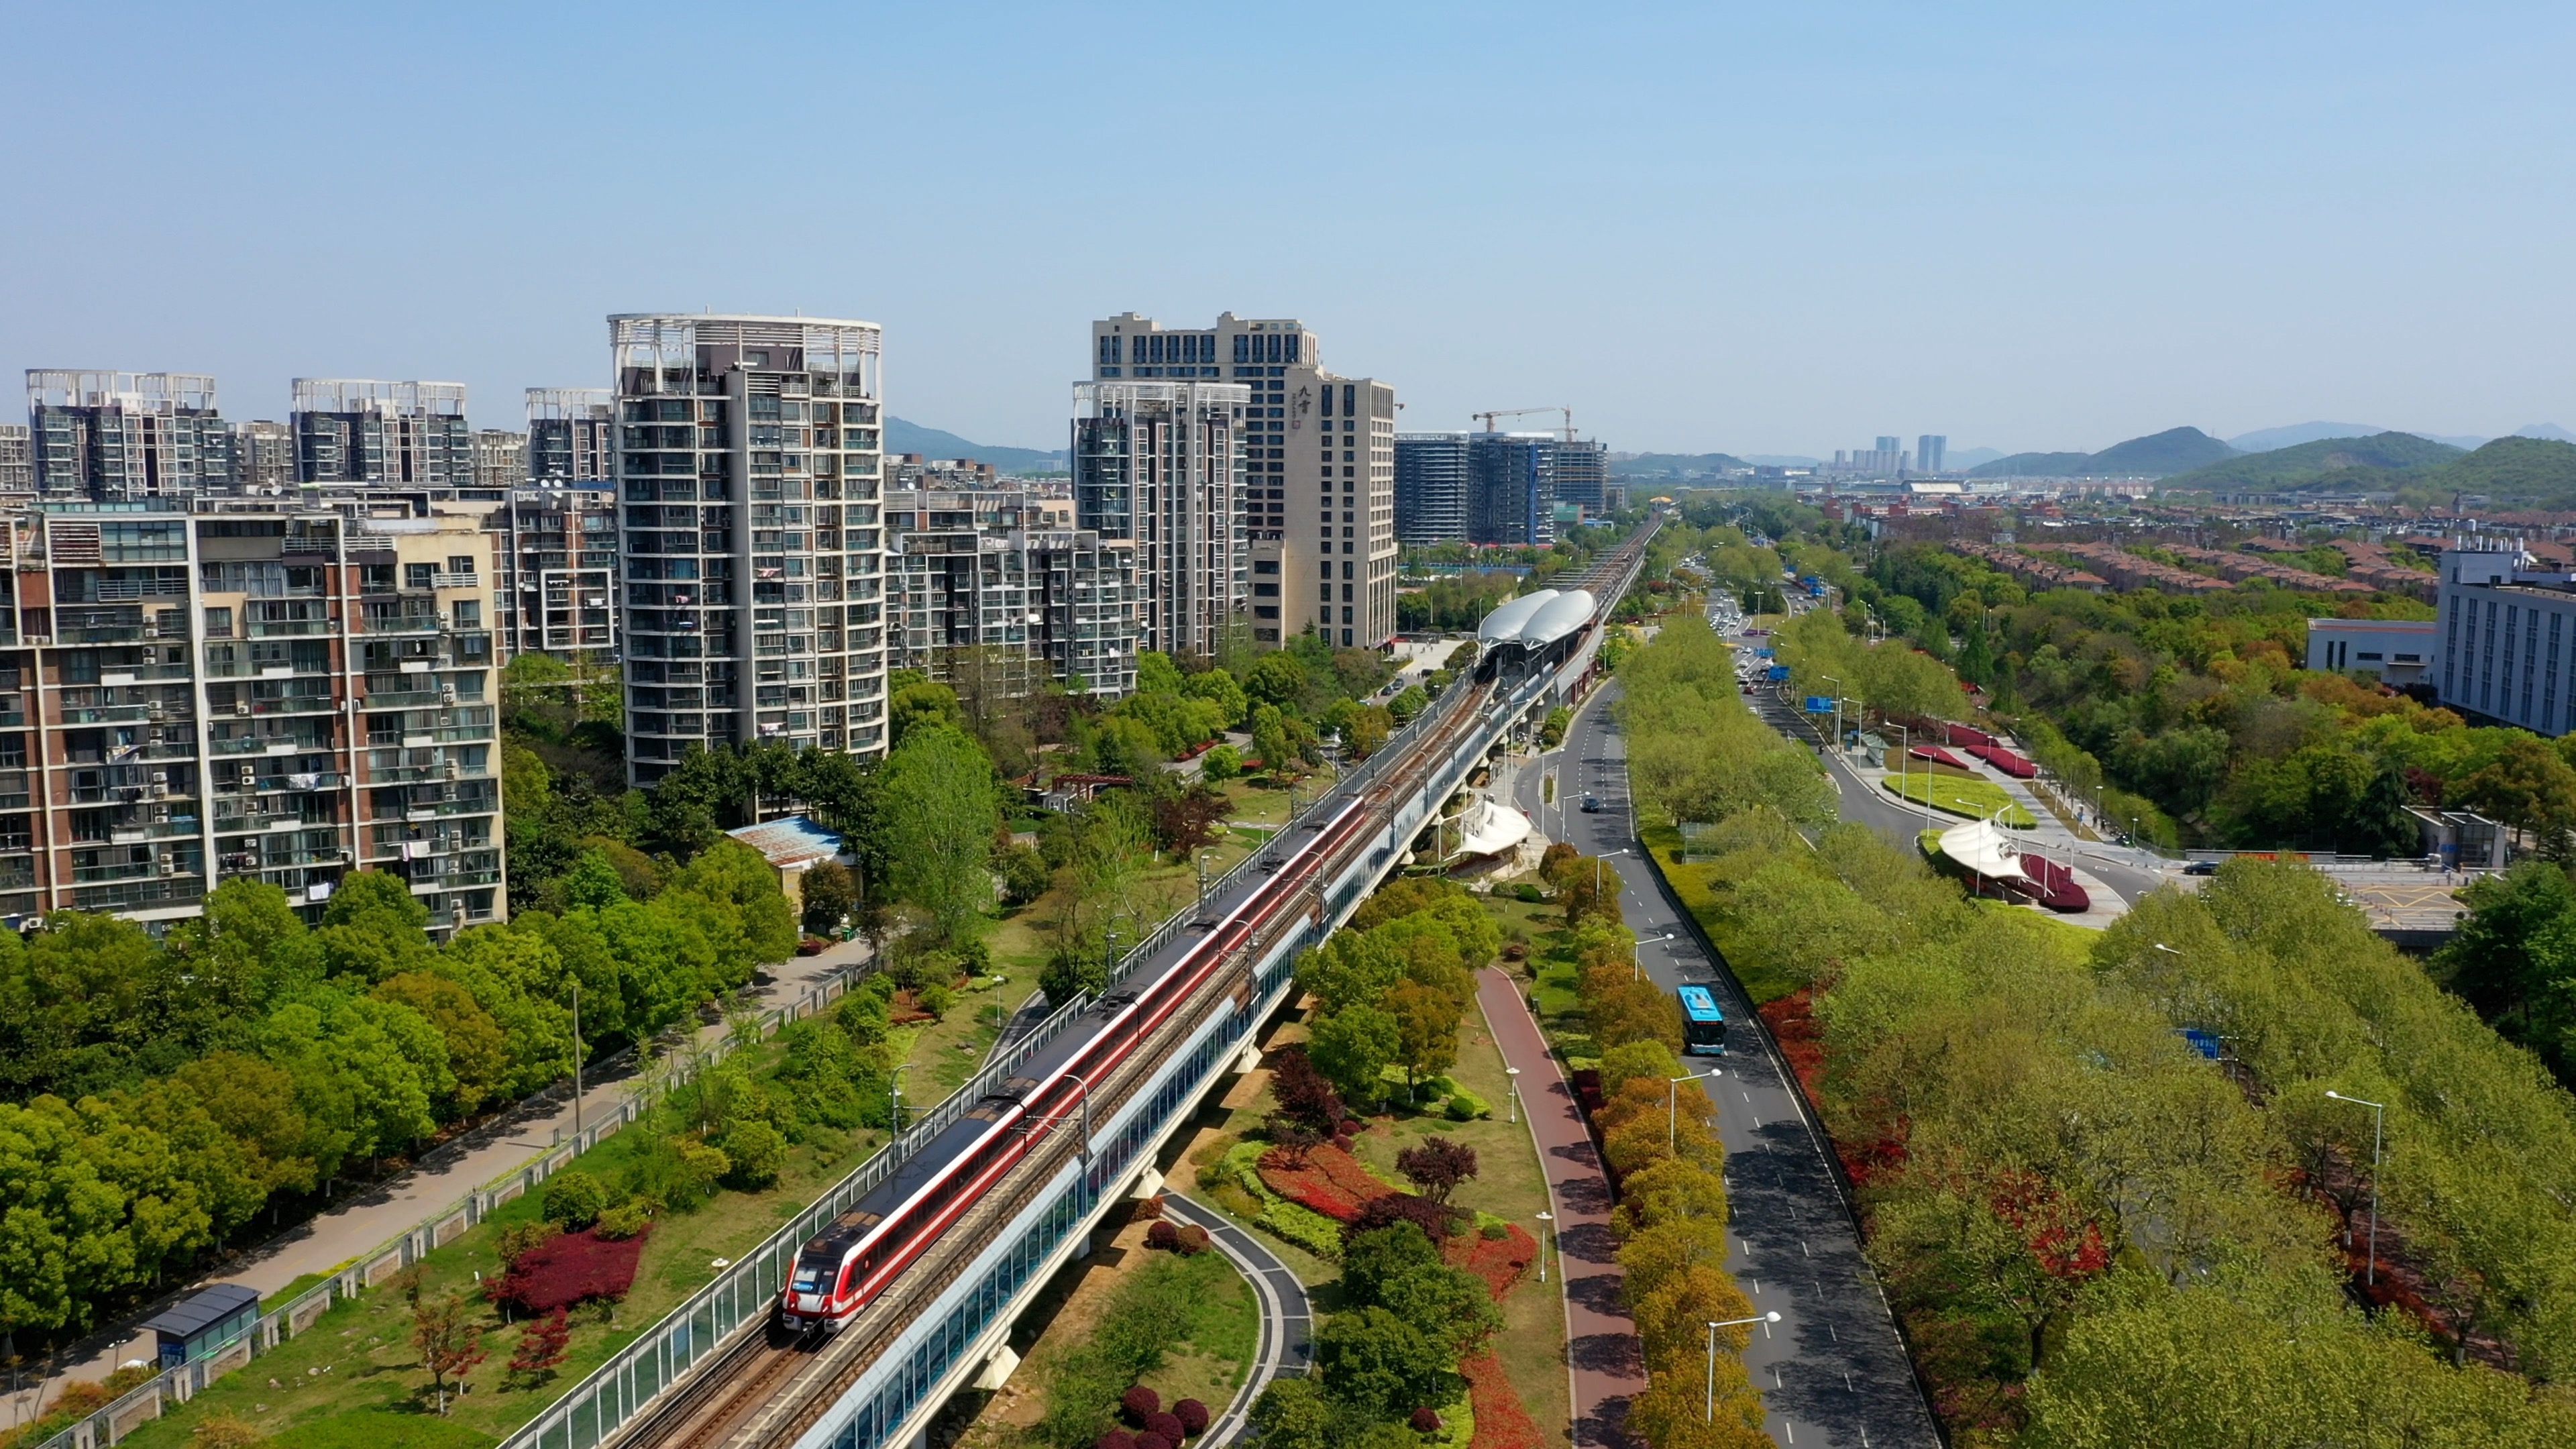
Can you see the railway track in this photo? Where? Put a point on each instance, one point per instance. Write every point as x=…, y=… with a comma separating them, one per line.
x=766, y=1387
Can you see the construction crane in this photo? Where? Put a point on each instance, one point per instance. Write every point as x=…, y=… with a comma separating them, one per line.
x=1488, y=418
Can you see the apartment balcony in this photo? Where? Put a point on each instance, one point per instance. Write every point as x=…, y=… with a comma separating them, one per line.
x=143, y=832
x=180, y=890
x=124, y=714
x=455, y=581
x=290, y=628
x=146, y=674
x=406, y=699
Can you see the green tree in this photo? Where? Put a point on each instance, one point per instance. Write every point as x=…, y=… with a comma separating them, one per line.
x=1372, y=1357
x=1353, y=1048
x=828, y=893
x=594, y=881
x=1426, y=1031
x=940, y=810
x=1277, y=679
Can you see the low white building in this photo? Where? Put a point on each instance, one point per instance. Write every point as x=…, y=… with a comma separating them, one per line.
x=2399, y=651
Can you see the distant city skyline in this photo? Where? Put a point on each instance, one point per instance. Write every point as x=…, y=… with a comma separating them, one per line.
x=2071, y=271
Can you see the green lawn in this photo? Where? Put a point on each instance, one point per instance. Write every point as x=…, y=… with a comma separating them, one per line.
x=1975, y=799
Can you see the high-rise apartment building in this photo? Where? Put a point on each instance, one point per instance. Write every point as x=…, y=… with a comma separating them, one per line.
x=1157, y=466
x=992, y=589
x=1431, y=488
x=1931, y=453
x=558, y=584
x=569, y=435
x=264, y=457
x=252, y=689
x=747, y=459
x=1319, y=515
x=17, y=461
x=1511, y=488
x=391, y=434
x=116, y=437
x=500, y=459
x=1582, y=470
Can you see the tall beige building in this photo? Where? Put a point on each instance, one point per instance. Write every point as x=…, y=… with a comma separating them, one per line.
x=1318, y=471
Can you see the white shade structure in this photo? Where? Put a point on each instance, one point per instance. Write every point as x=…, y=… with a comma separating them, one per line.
x=1485, y=828
x=1980, y=847
x=1560, y=616
x=1504, y=625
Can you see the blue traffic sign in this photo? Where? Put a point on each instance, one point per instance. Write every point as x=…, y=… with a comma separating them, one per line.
x=1818, y=704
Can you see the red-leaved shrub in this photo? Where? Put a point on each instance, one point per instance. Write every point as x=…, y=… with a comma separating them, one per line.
x=1150, y=1208
x=1191, y=1240
x=1141, y=1403
x=1115, y=1439
x=1167, y=1424
x=1154, y=1441
x=1161, y=1234
x=1425, y=1420
x=574, y=1268
x=1193, y=1416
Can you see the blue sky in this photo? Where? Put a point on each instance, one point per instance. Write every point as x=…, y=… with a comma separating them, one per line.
x=1784, y=228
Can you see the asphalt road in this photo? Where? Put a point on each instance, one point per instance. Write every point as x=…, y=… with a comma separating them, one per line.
x=1833, y=1370
x=1287, y=1344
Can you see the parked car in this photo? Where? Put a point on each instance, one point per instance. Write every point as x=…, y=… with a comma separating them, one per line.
x=1591, y=804
x=2201, y=867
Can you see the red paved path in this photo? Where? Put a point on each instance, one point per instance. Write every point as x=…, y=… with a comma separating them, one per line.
x=1601, y=1339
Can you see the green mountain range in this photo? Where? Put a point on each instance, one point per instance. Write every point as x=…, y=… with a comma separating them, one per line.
x=907, y=437
x=1669, y=465
x=2508, y=472
x=2175, y=450
x=2328, y=464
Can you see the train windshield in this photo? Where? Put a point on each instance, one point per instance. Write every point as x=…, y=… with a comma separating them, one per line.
x=1703, y=1024
x=814, y=1273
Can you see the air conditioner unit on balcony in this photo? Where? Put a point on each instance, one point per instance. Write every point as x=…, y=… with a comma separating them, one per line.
x=249, y=776
x=160, y=777
x=451, y=769
x=160, y=814
x=446, y=661
x=153, y=711
x=167, y=863
x=447, y=694
x=241, y=709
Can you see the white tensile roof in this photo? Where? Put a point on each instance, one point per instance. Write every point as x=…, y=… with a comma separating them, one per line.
x=1504, y=624
x=1982, y=848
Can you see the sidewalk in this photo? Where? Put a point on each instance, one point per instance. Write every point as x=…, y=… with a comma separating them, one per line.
x=1603, y=1357
x=398, y=1204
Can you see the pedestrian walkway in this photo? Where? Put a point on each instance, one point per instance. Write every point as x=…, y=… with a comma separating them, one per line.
x=1605, y=1361
x=393, y=1207
x=1287, y=1342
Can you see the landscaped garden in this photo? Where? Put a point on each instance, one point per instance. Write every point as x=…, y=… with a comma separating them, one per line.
x=1956, y=795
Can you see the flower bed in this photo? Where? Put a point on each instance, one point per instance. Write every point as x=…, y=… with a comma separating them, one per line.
x=570, y=1269
x=1293, y=1222
x=1330, y=1181
x=1501, y=1421
x=1501, y=1262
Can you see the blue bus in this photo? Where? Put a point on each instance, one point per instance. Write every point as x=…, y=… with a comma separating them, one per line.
x=1703, y=1025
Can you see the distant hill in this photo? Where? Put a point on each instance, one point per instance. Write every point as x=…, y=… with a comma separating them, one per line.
x=1963, y=458
x=2264, y=440
x=2367, y=463
x=2551, y=431
x=1663, y=465
x=904, y=437
x=2175, y=450
x=2033, y=465
x=2531, y=472
x=1782, y=460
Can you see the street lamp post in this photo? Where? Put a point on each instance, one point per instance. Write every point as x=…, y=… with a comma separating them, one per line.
x=1838, y=708
x=1672, y=1109
x=1513, y=1087
x=1708, y=1409
x=1636, y=966
x=1545, y=1231
x=894, y=1095
x=2378, y=1115
x=576, y=1065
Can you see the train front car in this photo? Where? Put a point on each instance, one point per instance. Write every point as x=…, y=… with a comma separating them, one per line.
x=822, y=1292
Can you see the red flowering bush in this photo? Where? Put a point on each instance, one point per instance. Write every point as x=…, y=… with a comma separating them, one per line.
x=1193, y=1416
x=1141, y=1403
x=574, y=1268
x=1501, y=1421
x=1327, y=1179
x=1501, y=1262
